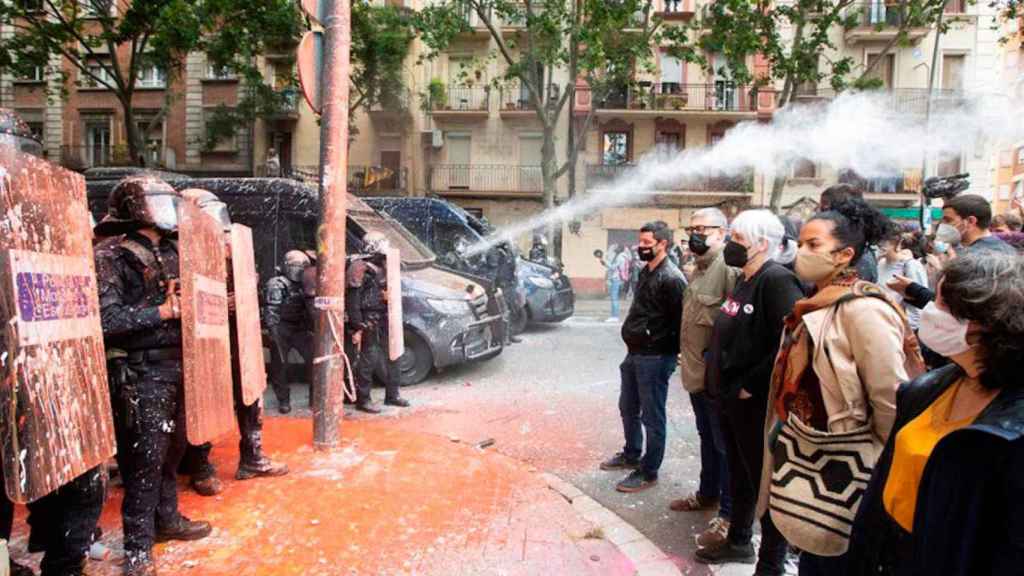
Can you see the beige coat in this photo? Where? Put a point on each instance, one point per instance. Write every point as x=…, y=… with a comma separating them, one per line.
x=860, y=363
x=712, y=281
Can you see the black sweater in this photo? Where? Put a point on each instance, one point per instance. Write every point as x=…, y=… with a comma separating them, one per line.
x=746, y=335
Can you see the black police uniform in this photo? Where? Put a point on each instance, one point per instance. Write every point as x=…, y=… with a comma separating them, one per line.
x=147, y=393
x=63, y=523
x=366, y=310
x=286, y=318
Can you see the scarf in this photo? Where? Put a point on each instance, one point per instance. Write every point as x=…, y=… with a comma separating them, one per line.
x=796, y=353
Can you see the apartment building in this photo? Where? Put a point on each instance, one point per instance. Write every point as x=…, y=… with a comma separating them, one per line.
x=967, y=62
x=1008, y=165
x=85, y=126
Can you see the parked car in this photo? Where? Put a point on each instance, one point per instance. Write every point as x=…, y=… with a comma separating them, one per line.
x=448, y=318
x=544, y=293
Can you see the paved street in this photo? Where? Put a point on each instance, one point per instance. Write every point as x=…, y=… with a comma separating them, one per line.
x=552, y=402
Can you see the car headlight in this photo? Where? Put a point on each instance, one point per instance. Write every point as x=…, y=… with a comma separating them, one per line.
x=541, y=282
x=448, y=307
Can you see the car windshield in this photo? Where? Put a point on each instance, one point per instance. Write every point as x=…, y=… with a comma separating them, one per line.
x=413, y=251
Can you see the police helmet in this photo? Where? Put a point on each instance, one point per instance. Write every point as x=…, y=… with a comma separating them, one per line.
x=140, y=202
x=14, y=132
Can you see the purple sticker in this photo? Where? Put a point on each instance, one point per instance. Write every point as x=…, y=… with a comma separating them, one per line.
x=43, y=296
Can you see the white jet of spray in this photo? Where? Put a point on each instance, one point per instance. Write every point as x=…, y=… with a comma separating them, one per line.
x=863, y=132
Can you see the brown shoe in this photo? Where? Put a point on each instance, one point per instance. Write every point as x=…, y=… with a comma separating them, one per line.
x=208, y=486
x=716, y=534
x=694, y=503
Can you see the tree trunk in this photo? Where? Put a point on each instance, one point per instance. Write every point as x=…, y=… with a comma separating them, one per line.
x=778, y=186
x=135, y=147
x=547, y=169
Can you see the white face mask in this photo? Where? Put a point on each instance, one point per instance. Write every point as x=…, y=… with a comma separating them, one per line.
x=943, y=332
x=948, y=233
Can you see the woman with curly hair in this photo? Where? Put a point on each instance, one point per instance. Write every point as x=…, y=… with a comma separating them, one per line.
x=946, y=494
x=845, y=350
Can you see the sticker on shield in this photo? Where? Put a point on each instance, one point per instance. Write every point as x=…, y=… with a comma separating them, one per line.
x=57, y=421
x=204, y=326
x=248, y=336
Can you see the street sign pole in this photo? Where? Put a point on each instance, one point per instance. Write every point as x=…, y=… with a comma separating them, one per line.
x=328, y=370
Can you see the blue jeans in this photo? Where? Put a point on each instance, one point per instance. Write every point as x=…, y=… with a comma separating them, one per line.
x=642, y=398
x=614, y=289
x=714, y=463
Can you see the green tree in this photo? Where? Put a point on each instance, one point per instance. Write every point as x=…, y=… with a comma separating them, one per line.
x=381, y=39
x=111, y=43
x=604, y=42
x=796, y=40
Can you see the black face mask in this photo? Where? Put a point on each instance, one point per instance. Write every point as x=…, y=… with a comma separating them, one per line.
x=699, y=244
x=735, y=254
x=646, y=253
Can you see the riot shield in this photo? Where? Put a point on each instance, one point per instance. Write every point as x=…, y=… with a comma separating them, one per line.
x=396, y=336
x=56, y=422
x=247, y=315
x=204, y=326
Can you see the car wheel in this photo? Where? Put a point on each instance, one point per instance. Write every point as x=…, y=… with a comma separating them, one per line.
x=518, y=321
x=416, y=363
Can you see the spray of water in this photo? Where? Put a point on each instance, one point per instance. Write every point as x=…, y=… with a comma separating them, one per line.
x=864, y=132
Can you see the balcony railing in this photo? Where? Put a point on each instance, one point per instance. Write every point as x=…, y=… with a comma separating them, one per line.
x=878, y=14
x=911, y=101
x=722, y=96
x=602, y=175
x=515, y=99
x=461, y=99
x=486, y=178
x=375, y=180
x=286, y=103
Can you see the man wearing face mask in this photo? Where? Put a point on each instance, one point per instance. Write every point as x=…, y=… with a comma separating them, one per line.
x=285, y=316
x=140, y=312
x=651, y=334
x=711, y=282
x=965, y=223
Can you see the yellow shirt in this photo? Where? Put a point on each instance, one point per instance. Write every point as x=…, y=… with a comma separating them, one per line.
x=914, y=445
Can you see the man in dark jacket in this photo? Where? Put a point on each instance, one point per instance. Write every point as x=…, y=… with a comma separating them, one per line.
x=651, y=334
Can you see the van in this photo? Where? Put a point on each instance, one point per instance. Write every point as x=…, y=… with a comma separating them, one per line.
x=449, y=319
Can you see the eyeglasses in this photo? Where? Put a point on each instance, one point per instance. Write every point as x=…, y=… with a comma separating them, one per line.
x=700, y=229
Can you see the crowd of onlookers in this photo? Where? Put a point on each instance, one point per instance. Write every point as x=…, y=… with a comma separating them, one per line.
x=852, y=382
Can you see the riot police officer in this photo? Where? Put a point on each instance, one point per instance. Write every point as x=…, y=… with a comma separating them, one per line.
x=366, y=308
x=286, y=319
x=539, y=250
x=62, y=522
x=140, y=312
x=252, y=462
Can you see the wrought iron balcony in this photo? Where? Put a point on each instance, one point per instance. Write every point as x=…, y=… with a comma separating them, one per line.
x=721, y=96
x=488, y=178
x=602, y=175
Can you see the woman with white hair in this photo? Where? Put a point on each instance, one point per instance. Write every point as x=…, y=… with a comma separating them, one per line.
x=744, y=343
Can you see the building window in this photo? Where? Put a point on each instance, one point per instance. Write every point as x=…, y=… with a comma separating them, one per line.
x=97, y=141
x=615, y=148
x=97, y=72
x=151, y=77
x=31, y=5
x=38, y=130
x=804, y=168
x=36, y=75
x=956, y=6
x=152, y=139
x=949, y=166
x=228, y=144
x=668, y=142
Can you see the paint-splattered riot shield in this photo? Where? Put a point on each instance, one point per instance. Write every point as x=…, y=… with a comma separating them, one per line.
x=206, y=342
x=55, y=417
x=396, y=335
x=252, y=370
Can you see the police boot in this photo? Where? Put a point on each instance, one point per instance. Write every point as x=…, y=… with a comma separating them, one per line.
x=184, y=529
x=139, y=564
x=368, y=406
x=399, y=401
x=209, y=486
x=252, y=463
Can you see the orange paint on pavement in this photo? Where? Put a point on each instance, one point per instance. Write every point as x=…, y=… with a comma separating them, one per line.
x=388, y=501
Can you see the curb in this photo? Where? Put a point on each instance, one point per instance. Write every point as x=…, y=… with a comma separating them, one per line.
x=648, y=559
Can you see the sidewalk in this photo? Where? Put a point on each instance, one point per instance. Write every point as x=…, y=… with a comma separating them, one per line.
x=599, y=308
x=388, y=501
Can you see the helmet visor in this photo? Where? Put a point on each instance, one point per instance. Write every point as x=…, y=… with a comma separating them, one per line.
x=219, y=212
x=162, y=210
x=23, y=144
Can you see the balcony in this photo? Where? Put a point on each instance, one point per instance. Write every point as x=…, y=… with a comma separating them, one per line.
x=475, y=27
x=485, y=179
x=460, y=103
x=669, y=97
x=880, y=21
x=515, y=101
x=675, y=9
x=897, y=187
x=376, y=181
x=391, y=103
x=599, y=175
x=286, y=105
x=905, y=101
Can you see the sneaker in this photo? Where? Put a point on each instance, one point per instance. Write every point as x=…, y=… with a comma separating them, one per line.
x=264, y=468
x=210, y=486
x=727, y=552
x=635, y=482
x=716, y=534
x=620, y=462
x=185, y=530
x=694, y=503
